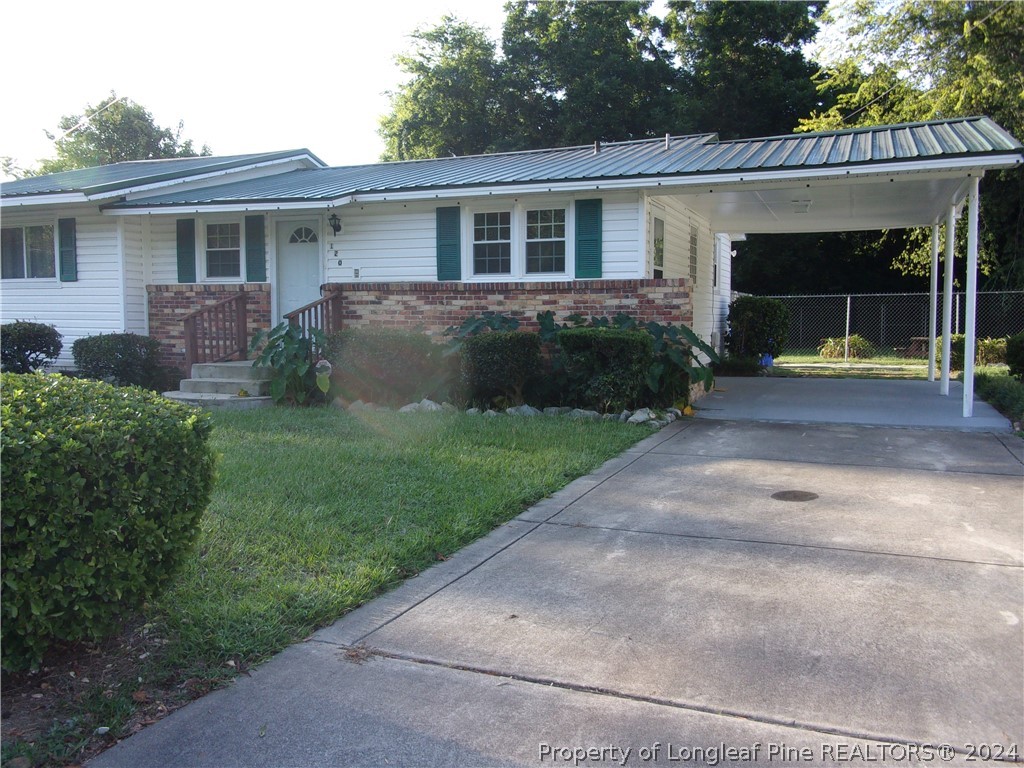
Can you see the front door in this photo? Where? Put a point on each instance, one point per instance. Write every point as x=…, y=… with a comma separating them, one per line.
x=298, y=264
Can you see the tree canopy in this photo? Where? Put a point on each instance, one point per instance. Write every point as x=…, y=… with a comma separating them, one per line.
x=115, y=130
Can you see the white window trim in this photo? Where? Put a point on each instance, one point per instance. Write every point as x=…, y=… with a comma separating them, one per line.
x=519, y=273
x=201, y=248
x=26, y=281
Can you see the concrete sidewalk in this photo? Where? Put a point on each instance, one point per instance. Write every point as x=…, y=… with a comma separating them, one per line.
x=668, y=610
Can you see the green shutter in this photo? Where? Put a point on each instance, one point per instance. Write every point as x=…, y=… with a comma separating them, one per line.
x=588, y=238
x=67, y=246
x=449, y=249
x=186, y=250
x=255, y=250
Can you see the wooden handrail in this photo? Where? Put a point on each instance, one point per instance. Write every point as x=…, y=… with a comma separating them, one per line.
x=323, y=314
x=217, y=332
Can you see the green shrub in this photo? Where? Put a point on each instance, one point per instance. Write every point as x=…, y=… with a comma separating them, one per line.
x=103, y=491
x=607, y=368
x=758, y=326
x=498, y=365
x=299, y=378
x=388, y=366
x=26, y=347
x=987, y=352
x=1004, y=392
x=835, y=348
x=1015, y=355
x=120, y=358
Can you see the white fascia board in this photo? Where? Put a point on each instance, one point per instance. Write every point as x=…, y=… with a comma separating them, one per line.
x=62, y=198
x=201, y=177
x=950, y=165
x=192, y=208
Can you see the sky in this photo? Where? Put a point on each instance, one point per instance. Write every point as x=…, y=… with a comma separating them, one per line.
x=300, y=73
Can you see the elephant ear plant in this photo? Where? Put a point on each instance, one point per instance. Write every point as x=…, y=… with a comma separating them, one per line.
x=300, y=377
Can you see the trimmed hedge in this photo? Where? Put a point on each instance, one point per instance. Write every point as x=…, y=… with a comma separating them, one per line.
x=388, y=366
x=120, y=358
x=606, y=367
x=26, y=347
x=499, y=364
x=1015, y=355
x=758, y=326
x=104, y=488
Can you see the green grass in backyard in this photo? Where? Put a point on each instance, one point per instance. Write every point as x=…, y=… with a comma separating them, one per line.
x=885, y=364
x=315, y=511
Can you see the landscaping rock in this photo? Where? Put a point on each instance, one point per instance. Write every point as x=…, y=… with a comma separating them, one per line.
x=675, y=412
x=359, y=405
x=522, y=410
x=624, y=416
x=492, y=413
x=473, y=411
x=670, y=417
x=610, y=417
x=557, y=410
x=410, y=408
x=579, y=413
x=642, y=416
x=429, y=406
x=657, y=423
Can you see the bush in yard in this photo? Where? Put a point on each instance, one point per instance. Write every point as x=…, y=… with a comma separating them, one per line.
x=120, y=358
x=1004, y=392
x=1015, y=355
x=987, y=352
x=497, y=365
x=26, y=347
x=835, y=348
x=606, y=367
x=104, y=488
x=758, y=326
x=388, y=366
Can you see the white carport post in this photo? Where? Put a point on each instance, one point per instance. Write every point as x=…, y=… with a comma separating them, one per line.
x=947, y=298
x=933, y=305
x=972, y=297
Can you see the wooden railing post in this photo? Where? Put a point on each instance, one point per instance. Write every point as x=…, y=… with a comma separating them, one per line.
x=241, y=323
x=191, y=345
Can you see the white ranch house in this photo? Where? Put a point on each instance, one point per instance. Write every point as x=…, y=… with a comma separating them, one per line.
x=641, y=226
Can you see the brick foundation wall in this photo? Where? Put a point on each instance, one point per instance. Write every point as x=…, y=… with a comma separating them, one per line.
x=437, y=306
x=168, y=304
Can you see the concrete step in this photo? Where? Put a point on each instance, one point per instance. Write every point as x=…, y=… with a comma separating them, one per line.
x=255, y=387
x=239, y=370
x=211, y=400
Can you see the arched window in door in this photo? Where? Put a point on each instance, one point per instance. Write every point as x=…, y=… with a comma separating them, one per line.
x=303, y=235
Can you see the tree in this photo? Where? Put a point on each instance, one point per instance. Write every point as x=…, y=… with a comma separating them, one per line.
x=745, y=65
x=450, y=104
x=115, y=130
x=921, y=61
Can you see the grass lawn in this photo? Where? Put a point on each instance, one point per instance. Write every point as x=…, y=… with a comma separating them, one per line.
x=314, y=512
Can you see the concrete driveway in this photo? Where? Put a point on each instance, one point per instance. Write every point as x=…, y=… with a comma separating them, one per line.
x=676, y=608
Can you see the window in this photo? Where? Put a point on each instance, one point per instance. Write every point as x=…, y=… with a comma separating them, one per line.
x=223, y=251
x=545, y=240
x=492, y=243
x=28, y=252
x=659, y=248
x=303, y=235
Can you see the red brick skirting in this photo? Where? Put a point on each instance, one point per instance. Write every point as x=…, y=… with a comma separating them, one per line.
x=168, y=305
x=437, y=306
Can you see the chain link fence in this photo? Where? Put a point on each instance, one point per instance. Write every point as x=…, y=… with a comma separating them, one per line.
x=895, y=324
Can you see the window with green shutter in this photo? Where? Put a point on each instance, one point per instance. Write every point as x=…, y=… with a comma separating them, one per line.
x=449, y=245
x=588, y=238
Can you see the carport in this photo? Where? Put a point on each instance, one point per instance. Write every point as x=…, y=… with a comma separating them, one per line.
x=885, y=177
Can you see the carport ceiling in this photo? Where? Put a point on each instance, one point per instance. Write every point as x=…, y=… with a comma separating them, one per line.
x=836, y=204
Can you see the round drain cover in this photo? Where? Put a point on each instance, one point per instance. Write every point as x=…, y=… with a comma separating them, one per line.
x=794, y=496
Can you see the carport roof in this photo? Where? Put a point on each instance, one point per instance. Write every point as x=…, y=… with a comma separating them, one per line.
x=674, y=165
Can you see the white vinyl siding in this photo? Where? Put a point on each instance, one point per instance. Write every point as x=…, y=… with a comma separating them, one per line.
x=92, y=304
x=163, y=248
x=621, y=247
x=385, y=242
x=135, y=310
x=680, y=222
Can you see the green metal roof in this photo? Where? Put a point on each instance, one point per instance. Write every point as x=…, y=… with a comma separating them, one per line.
x=679, y=156
x=117, y=176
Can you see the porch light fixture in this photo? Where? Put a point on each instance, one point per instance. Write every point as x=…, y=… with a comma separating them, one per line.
x=335, y=223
